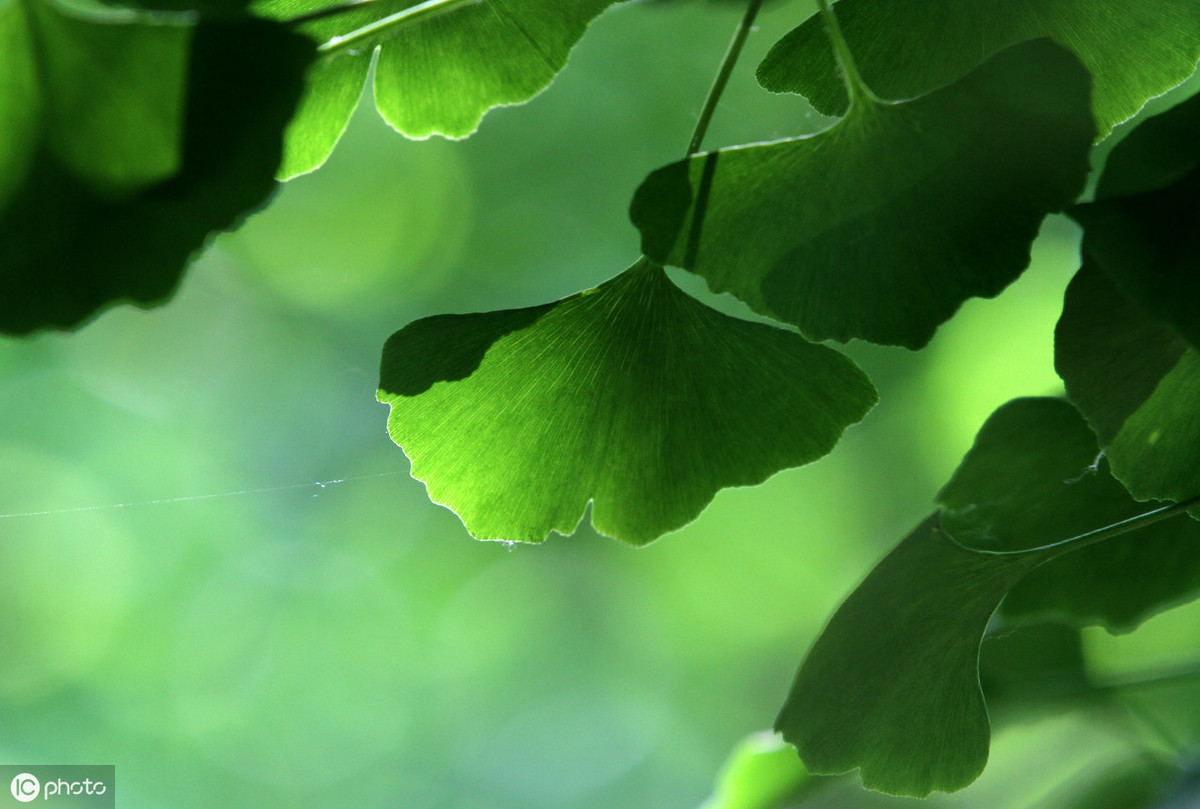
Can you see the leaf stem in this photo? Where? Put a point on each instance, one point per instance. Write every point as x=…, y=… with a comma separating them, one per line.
x=1125, y=526
x=388, y=24
x=856, y=88
x=722, y=78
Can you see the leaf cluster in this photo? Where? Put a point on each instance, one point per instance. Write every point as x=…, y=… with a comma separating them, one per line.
x=131, y=135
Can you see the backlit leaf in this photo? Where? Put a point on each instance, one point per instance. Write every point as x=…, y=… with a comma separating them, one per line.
x=439, y=76
x=881, y=226
x=631, y=396
x=1134, y=50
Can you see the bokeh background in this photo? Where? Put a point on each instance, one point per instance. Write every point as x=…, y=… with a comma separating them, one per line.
x=293, y=623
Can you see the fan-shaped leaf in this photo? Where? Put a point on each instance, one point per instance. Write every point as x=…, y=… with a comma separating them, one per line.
x=1134, y=50
x=131, y=141
x=881, y=226
x=1033, y=478
x=632, y=396
x=891, y=686
x=436, y=77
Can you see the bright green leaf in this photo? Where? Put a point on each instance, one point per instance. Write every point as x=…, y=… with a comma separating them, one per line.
x=1134, y=50
x=1144, y=227
x=891, y=687
x=1137, y=381
x=881, y=226
x=631, y=396
x=439, y=76
x=762, y=772
x=151, y=136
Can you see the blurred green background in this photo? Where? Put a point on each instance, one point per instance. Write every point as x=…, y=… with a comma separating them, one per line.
x=299, y=641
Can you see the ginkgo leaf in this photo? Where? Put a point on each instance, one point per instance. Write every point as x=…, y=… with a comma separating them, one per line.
x=1137, y=381
x=892, y=685
x=1126, y=345
x=139, y=140
x=881, y=226
x=1134, y=50
x=631, y=396
x=1034, y=477
x=1144, y=227
x=437, y=76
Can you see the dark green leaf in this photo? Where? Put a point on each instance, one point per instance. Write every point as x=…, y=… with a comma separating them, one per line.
x=1031, y=665
x=1137, y=381
x=880, y=227
x=149, y=138
x=1118, y=583
x=1144, y=227
x=1033, y=478
x=631, y=396
x=439, y=76
x=1134, y=50
x=892, y=685
x=762, y=773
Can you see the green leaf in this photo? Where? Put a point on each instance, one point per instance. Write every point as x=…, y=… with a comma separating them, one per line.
x=102, y=93
x=1144, y=227
x=1031, y=666
x=881, y=226
x=891, y=687
x=1117, y=584
x=1134, y=50
x=439, y=76
x=762, y=772
x=631, y=396
x=892, y=684
x=141, y=140
x=1137, y=381
x=1033, y=478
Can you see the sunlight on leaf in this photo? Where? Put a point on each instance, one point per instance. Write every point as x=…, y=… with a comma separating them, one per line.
x=1134, y=50
x=152, y=137
x=881, y=226
x=438, y=77
x=631, y=396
